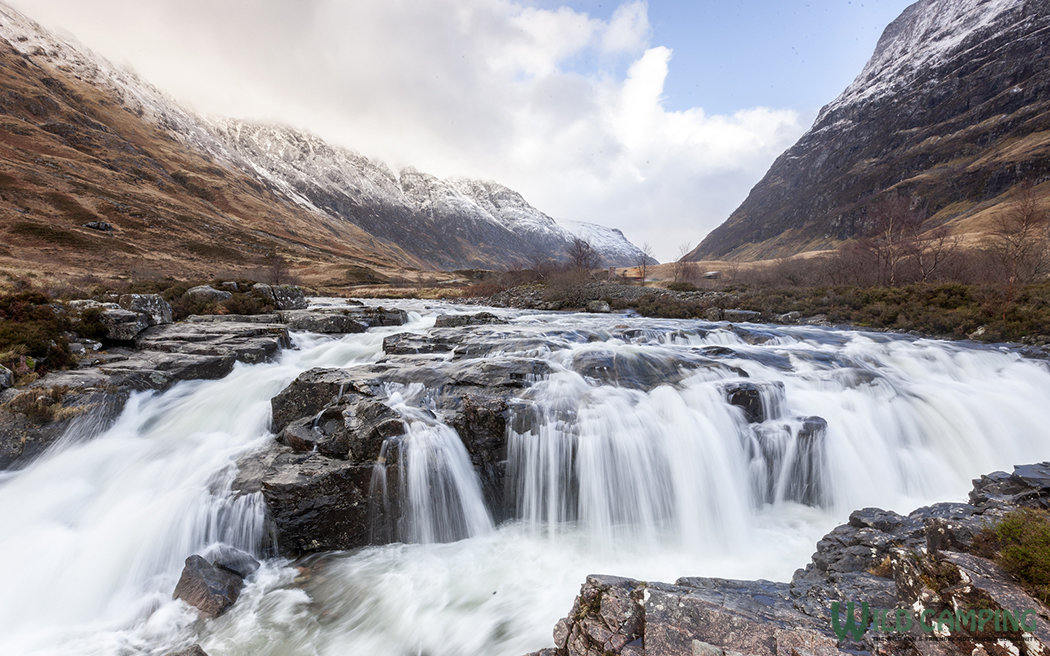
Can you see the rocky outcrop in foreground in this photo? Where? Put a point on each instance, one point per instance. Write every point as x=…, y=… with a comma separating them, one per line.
x=920, y=567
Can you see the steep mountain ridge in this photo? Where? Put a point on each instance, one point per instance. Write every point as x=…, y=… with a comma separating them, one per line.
x=82, y=142
x=953, y=109
x=454, y=223
x=329, y=200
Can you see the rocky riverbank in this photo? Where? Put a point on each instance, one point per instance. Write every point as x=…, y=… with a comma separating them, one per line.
x=142, y=350
x=925, y=567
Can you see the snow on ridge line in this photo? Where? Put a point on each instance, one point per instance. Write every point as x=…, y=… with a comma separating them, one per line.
x=925, y=35
x=292, y=161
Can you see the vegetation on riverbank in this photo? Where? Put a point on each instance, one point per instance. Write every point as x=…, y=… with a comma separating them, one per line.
x=950, y=310
x=1020, y=544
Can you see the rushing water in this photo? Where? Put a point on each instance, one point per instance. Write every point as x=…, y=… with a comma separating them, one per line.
x=654, y=484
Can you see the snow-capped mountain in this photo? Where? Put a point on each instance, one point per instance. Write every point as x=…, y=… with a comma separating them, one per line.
x=952, y=108
x=447, y=224
x=456, y=223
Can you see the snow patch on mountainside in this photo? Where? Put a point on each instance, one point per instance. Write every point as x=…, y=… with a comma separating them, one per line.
x=335, y=182
x=607, y=240
x=926, y=35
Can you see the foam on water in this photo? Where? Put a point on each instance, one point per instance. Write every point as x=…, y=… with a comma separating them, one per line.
x=655, y=483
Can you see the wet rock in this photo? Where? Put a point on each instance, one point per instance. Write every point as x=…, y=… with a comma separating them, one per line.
x=242, y=341
x=152, y=305
x=637, y=370
x=7, y=378
x=301, y=435
x=326, y=322
x=210, y=589
x=413, y=344
x=598, y=307
x=789, y=317
x=314, y=390
x=694, y=616
x=759, y=400
x=207, y=293
x=879, y=557
x=481, y=422
x=1028, y=485
x=367, y=424
x=233, y=560
x=373, y=317
x=86, y=400
x=460, y=320
x=315, y=503
x=743, y=316
x=233, y=318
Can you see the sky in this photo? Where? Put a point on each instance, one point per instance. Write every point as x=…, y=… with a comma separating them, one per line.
x=653, y=117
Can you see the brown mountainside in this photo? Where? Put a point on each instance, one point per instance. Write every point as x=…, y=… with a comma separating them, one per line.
x=73, y=153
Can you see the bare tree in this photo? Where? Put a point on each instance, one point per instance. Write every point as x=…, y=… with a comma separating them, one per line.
x=1020, y=242
x=644, y=255
x=276, y=267
x=933, y=250
x=583, y=256
x=682, y=269
x=542, y=265
x=891, y=235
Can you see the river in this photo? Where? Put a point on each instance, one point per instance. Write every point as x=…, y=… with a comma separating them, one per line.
x=648, y=483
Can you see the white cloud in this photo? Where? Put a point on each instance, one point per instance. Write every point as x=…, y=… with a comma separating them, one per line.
x=562, y=106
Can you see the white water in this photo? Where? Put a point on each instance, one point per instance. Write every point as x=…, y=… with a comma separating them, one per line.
x=654, y=485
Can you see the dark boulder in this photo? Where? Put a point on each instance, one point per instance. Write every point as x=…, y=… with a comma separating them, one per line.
x=210, y=589
x=759, y=400
x=461, y=320
x=315, y=503
x=326, y=322
x=233, y=560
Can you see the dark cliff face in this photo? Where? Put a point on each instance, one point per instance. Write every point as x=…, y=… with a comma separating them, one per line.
x=953, y=108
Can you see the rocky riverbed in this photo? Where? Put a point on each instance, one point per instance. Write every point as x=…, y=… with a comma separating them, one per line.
x=144, y=351
x=429, y=470
x=920, y=564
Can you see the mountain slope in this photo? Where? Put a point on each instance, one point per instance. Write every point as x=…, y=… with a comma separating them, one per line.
x=953, y=109
x=451, y=224
x=81, y=142
x=325, y=202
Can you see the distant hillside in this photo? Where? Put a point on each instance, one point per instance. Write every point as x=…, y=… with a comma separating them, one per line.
x=83, y=142
x=953, y=109
x=450, y=224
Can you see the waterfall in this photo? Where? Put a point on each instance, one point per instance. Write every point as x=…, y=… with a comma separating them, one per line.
x=438, y=491
x=708, y=450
